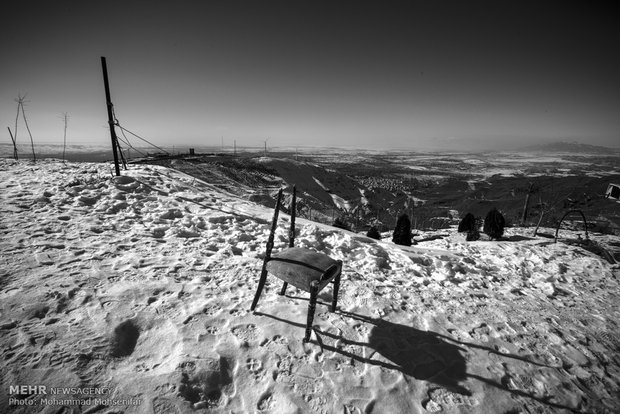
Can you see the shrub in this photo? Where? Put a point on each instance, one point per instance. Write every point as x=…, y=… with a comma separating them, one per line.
x=373, y=233
x=494, y=224
x=472, y=235
x=468, y=224
x=402, y=231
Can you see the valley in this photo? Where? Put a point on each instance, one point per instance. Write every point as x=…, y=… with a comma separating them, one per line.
x=366, y=188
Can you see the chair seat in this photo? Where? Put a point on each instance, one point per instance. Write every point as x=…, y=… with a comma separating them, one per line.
x=300, y=267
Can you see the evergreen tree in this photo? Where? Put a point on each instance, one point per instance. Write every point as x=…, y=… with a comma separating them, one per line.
x=472, y=235
x=494, y=224
x=341, y=223
x=402, y=231
x=373, y=233
x=469, y=225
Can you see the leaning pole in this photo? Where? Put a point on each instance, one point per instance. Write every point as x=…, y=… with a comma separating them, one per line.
x=110, y=115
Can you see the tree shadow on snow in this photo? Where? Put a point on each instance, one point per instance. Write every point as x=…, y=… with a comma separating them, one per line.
x=517, y=237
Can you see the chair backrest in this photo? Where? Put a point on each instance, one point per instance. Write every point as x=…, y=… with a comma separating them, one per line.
x=274, y=223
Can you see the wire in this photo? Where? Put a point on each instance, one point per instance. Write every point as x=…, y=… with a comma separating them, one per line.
x=126, y=141
x=145, y=140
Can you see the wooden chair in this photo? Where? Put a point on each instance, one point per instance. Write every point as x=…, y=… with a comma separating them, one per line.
x=303, y=268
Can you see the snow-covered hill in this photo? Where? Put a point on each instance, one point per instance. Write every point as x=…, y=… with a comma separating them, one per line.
x=140, y=286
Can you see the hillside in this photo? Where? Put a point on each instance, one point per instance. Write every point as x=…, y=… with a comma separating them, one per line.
x=141, y=285
x=323, y=193
x=437, y=189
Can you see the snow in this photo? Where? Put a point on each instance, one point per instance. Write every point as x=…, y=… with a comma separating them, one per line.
x=142, y=285
x=339, y=202
x=316, y=180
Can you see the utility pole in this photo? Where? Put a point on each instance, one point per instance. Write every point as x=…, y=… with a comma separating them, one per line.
x=110, y=115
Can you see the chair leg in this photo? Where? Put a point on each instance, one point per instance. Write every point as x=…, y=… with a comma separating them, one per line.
x=314, y=291
x=263, y=273
x=283, y=291
x=261, y=285
x=335, y=294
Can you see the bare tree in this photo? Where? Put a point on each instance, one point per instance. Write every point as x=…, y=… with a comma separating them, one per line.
x=65, y=118
x=16, y=119
x=20, y=106
x=14, y=143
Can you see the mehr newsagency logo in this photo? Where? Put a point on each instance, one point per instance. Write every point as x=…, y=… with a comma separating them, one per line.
x=35, y=395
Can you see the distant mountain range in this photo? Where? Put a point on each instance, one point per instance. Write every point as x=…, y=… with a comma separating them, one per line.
x=574, y=146
x=485, y=144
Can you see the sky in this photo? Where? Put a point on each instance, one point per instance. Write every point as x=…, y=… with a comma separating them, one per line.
x=352, y=74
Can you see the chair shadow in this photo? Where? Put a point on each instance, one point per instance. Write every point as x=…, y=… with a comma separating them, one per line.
x=430, y=333
x=418, y=354
x=424, y=355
